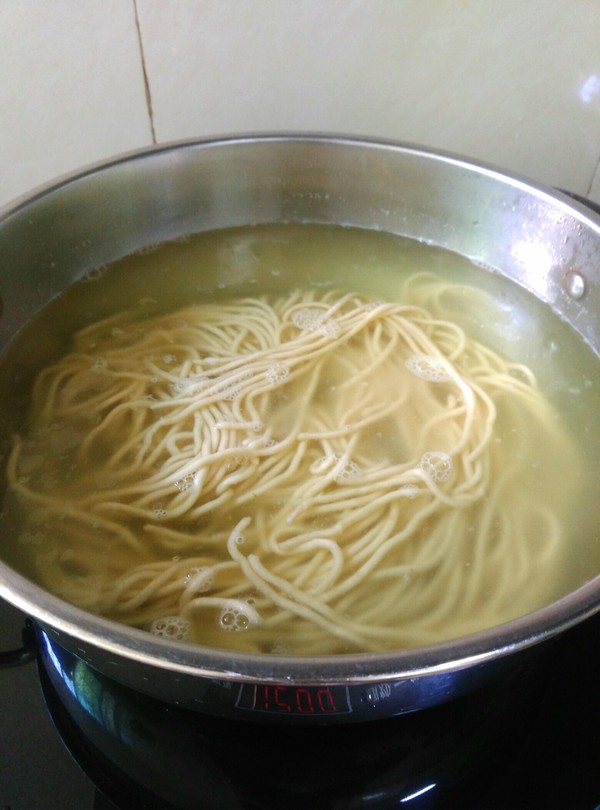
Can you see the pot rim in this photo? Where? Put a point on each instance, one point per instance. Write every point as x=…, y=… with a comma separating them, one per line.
x=516, y=179
x=83, y=628
x=60, y=618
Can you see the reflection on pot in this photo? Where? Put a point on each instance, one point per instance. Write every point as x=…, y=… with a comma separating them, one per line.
x=148, y=751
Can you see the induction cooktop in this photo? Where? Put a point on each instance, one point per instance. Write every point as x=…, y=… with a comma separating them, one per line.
x=533, y=742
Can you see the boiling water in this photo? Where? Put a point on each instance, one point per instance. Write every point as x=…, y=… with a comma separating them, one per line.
x=274, y=260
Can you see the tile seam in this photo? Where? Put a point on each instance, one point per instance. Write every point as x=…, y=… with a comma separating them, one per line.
x=147, y=92
x=595, y=174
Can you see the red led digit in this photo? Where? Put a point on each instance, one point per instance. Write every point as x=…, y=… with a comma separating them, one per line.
x=304, y=701
x=325, y=700
x=294, y=700
x=279, y=702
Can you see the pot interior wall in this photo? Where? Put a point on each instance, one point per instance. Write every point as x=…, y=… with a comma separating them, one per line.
x=528, y=234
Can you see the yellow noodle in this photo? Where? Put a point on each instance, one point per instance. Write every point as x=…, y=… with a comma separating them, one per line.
x=380, y=506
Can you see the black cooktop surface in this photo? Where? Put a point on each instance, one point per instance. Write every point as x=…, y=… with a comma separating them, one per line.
x=533, y=743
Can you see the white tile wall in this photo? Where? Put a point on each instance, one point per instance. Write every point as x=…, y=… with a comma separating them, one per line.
x=71, y=88
x=510, y=82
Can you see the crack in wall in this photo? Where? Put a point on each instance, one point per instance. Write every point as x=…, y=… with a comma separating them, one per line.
x=144, y=72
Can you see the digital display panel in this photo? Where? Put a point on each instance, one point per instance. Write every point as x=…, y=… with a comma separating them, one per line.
x=316, y=701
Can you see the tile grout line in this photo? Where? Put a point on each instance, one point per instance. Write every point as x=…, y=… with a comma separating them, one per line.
x=144, y=73
x=595, y=173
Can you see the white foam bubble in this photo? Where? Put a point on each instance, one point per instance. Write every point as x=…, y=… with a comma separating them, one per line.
x=237, y=618
x=172, y=627
x=189, y=385
x=31, y=538
x=187, y=482
x=277, y=373
x=348, y=471
x=437, y=465
x=429, y=368
x=199, y=580
x=315, y=320
x=229, y=386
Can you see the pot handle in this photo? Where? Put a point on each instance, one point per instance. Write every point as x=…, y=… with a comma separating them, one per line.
x=24, y=654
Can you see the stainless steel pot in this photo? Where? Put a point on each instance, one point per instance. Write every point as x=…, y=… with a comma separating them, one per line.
x=539, y=238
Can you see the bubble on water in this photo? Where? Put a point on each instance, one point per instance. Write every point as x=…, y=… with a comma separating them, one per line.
x=31, y=538
x=159, y=513
x=329, y=328
x=171, y=627
x=349, y=470
x=186, y=482
x=277, y=373
x=189, y=385
x=168, y=358
x=325, y=464
x=315, y=320
x=429, y=368
x=437, y=465
x=229, y=386
x=92, y=275
x=236, y=619
x=199, y=580
x=232, y=465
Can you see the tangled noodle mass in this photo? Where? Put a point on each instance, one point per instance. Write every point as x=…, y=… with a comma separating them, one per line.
x=309, y=473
